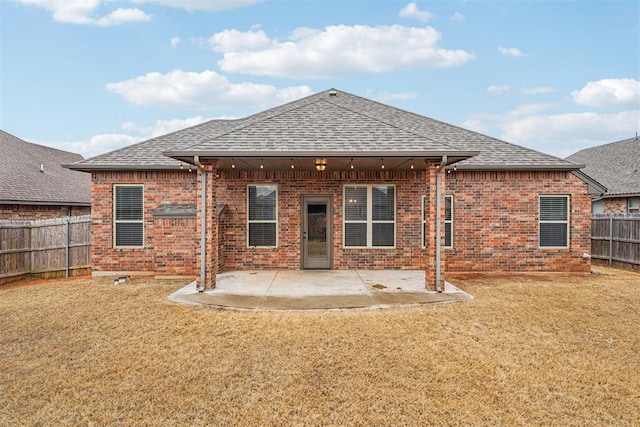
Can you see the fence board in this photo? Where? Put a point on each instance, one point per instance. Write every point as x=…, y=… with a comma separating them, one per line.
x=45, y=247
x=616, y=238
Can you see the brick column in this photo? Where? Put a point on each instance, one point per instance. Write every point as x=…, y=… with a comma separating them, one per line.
x=210, y=171
x=433, y=170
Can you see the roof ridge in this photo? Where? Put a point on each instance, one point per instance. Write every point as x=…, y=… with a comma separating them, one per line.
x=39, y=146
x=276, y=111
x=383, y=121
x=602, y=146
x=422, y=117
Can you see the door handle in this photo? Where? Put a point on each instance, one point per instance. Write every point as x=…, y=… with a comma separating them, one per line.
x=304, y=235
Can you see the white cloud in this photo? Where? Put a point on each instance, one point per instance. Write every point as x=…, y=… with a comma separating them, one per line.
x=102, y=143
x=530, y=109
x=335, y=51
x=562, y=134
x=202, y=5
x=476, y=125
x=82, y=12
x=457, y=17
x=510, y=51
x=537, y=90
x=175, y=41
x=207, y=89
x=119, y=16
x=498, y=89
x=608, y=93
x=413, y=11
x=163, y=127
x=234, y=40
x=97, y=144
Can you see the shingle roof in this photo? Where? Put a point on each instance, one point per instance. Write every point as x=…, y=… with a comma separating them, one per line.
x=329, y=121
x=22, y=182
x=615, y=165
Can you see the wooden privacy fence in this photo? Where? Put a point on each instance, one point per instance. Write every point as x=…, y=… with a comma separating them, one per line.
x=45, y=248
x=616, y=239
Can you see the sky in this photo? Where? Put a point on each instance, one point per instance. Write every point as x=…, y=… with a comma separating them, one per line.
x=91, y=76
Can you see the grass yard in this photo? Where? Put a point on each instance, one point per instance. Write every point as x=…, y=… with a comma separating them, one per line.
x=554, y=351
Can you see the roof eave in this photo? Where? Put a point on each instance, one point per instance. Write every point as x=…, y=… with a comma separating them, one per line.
x=91, y=168
x=184, y=154
x=508, y=167
x=44, y=203
x=617, y=195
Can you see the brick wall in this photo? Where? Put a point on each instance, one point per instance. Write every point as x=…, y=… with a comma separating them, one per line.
x=175, y=243
x=232, y=191
x=37, y=212
x=159, y=187
x=496, y=222
x=615, y=205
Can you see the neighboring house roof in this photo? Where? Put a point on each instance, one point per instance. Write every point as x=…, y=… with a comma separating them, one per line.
x=615, y=165
x=329, y=123
x=33, y=174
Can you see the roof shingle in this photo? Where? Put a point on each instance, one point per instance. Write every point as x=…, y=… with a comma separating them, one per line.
x=615, y=165
x=328, y=121
x=21, y=179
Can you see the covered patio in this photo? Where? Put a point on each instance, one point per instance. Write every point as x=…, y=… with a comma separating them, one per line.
x=317, y=290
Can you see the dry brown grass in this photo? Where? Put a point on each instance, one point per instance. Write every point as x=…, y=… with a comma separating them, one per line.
x=562, y=351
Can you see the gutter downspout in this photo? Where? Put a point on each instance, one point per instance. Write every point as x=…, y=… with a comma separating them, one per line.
x=438, y=225
x=203, y=225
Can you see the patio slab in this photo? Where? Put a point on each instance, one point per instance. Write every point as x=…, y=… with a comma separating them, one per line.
x=317, y=290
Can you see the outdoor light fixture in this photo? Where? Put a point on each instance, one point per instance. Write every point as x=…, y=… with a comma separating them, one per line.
x=351, y=165
x=382, y=161
x=321, y=164
x=233, y=165
x=261, y=164
x=292, y=165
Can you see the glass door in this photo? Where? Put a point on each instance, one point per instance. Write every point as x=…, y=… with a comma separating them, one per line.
x=316, y=232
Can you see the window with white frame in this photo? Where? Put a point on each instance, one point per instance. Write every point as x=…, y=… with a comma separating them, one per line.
x=262, y=218
x=369, y=216
x=128, y=207
x=448, y=220
x=633, y=205
x=554, y=221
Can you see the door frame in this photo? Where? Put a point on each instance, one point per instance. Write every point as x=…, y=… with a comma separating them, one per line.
x=305, y=199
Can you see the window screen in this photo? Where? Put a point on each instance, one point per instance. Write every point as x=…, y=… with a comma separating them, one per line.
x=448, y=221
x=554, y=221
x=128, y=215
x=262, y=215
x=369, y=215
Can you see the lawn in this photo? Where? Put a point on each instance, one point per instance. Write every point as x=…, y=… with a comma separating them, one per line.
x=554, y=350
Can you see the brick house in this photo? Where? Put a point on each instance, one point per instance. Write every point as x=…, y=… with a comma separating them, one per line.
x=335, y=181
x=34, y=185
x=617, y=167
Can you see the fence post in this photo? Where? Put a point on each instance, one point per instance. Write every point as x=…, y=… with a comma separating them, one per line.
x=66, y=246
x=610, y=240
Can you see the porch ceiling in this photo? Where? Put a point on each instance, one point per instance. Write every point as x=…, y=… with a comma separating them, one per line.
x=333, y=163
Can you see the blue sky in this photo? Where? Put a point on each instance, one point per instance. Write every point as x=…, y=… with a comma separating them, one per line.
x=90, y=76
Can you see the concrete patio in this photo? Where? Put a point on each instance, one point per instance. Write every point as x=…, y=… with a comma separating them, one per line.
x=317, y=290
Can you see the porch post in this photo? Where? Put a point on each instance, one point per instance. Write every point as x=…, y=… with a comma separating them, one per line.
x=434, y=226
x=208, y=175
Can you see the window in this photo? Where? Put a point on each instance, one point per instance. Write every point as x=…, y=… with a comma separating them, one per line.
x=554, y=222
x=128, y=216
x=448, y=221
x=597, y=207
x=633, y=205
x=369, y=216
x=262, y=202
